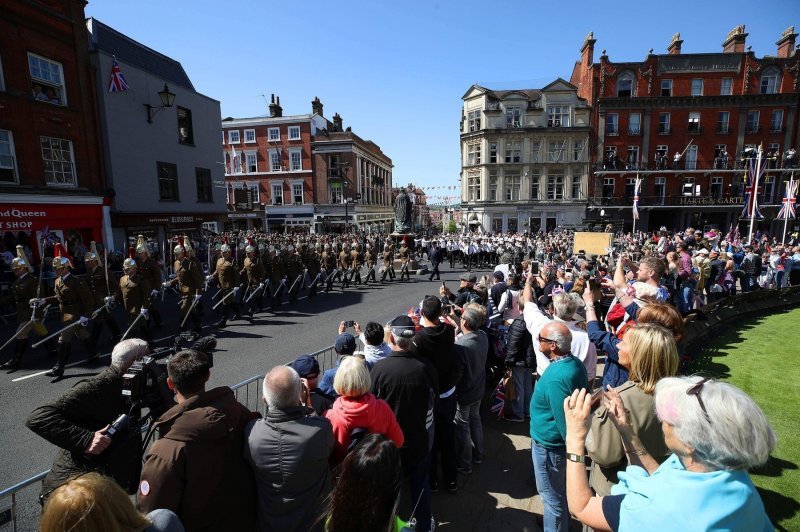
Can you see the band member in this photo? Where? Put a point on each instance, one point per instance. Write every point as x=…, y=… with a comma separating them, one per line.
x=149, y=269
x=97, y=279
x=189, y=278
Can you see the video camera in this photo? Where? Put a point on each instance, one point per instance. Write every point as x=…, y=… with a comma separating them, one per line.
x=144, y=385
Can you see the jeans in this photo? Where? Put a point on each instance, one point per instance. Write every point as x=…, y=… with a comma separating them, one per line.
x=550, y=468
x=469, y=434
x=444, y=439
x=685, y=297
x=417, y=477
x=164, y=521
x=523, y=385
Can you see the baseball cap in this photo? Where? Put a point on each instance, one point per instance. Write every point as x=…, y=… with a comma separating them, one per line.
x=498, y=275
x=305, y=365
x=345, y=344
x=402, y=327
x=469, y=277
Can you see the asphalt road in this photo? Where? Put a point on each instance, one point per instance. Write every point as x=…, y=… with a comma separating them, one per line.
x=244, y=349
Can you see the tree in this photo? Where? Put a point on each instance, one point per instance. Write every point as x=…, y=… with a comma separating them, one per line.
x=451, y=227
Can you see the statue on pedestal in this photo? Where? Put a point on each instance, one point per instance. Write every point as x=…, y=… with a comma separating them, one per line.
x=403, y=212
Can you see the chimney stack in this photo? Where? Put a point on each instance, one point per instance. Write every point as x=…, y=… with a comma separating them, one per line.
x=337, y=122
x=587, y=49
x=275, y=109
x=316, y=106
x=674, y=47
x=786, y=42
x=734, y=42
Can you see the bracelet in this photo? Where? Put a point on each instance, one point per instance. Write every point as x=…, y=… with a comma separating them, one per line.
x=587, y=308
x=579, y=458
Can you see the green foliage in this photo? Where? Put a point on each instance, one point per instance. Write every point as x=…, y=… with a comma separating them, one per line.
x=451, y=227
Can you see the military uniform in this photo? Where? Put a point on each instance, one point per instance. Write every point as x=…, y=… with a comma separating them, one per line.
x=75, y=300
x=227, y=277
x=189, y=276
x=405, y=256
x=136, y=295
x=294, y=273
x=98, y=283
x=149, y=270
x=328, y=265
x=388, y=262
x=357, y=260
x=345, y=264
x=277, y=279
x=23, y=290
x=256, y=276
x=372, y=260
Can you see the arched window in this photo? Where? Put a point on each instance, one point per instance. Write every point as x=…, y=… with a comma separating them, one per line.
x=626, y=84
x=770, y=81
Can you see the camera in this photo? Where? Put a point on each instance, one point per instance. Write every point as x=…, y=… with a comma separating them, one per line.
x=350, y=323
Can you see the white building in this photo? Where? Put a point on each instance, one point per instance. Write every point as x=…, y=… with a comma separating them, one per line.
x=524, y=158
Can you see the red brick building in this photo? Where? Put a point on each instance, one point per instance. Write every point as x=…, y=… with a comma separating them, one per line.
x=709, y=109
x=51, y=169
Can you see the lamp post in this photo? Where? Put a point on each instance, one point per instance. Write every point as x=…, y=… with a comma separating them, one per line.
x=167, y=100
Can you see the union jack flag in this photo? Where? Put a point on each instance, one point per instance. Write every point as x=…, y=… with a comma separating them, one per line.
x=636, y=189
x=787, y=211
x=754, y=174
x=118, y=83
x=499, y=399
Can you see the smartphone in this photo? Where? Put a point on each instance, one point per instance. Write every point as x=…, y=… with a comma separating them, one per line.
x=349, y=324
x=597, y=397
x=444, y=285
x=535, y=267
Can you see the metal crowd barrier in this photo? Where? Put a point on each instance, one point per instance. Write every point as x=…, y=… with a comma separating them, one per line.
x=248, y=392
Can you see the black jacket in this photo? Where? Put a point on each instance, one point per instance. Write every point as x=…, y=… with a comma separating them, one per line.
x=436, y=345
x=408, y=383
x=436, y=255
x=70, y=422
x=463, y=296
x=496, y=292
x=520, y=345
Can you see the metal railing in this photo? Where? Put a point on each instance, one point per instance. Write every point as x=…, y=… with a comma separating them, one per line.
x=248, y=392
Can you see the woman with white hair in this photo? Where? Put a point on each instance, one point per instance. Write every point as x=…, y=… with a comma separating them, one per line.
x=716, y=434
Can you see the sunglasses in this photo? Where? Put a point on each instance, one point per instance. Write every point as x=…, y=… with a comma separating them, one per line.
x=543, y=339
x=695, y=390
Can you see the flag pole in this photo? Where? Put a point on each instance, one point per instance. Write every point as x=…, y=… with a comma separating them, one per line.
x=754, y=199
x=635, y=207
x=789, y=191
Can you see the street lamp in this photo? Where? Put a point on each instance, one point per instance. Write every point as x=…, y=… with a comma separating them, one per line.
x=167, y=100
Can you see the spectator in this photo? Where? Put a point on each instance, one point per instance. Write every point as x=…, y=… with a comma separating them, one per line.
x=498, y=288
x=369, y=487
x=509, y=302
x=521, y=359
x=716, y=433
x=794, y=276
x=548, y=424
x=649, y=271
x=466, y=291
x=307, y=367
x=356, y=408
x=344, y=346
x=408, y=382
x=196, y=467
x=289, y=451
x=470, y=387
x=375, y=346
x=77, y=423
x=649, y=353
x=684, y=295
x=91, y=502
x=434, y=342
x=436, y=255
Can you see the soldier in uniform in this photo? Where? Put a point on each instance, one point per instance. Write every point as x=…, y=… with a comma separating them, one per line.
x=98, y=282
x=278, y=278
x=294, y=272
x=405, y=256
x=148, y=268
x=328, y=266
x=314, y=265
x=345, y=265
x=29, y=312
x=357, y=260
x=75, y=301
x=227, y=277
x=372, y=261
x=189, y=278
x=136, y=294
x=388, y=262
x=256, y=276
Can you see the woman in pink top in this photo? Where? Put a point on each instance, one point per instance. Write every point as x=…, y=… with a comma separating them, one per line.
x=356, y=408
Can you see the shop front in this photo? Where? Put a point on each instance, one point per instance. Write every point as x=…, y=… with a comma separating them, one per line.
x=298, y=222
x=245, y=221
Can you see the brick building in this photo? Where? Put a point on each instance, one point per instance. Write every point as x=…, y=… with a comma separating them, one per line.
x=51, y=168
x=709, y=109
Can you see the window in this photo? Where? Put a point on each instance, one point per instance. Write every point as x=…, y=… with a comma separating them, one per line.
x=492, y=186
x=558, y=115
x=608, y=187
x=167, y=181
x=511, y=181
x=769, y=189
x=512, y=225
x=555, y=185
x=625, y=85
x=513, y=116
x=770, y=81
x=726, y=87
x=474, y=187
x=474, y=154
x=249, y=136
x=612, y=124
x=275, y=161
x=236, y=161
x=251, y=161
x=723, y=121
x=294, y=133
x=254, y=191
x=635, y=124
x=688, y=186
x=497, y=224
x=577, y=151
x=513, y=152
x=691, y=157
x=660, y=189
x=633, y=157
x=535, y=183
x=492, y=152
x=8, y=160
x=663, y=124
x=576, y=187
x=335, y=191
x=776, y=121
x=277, y=193
x=610, y=158
x=662, y=150
x=555, y=151
x=536, y=151
x=694, y=122
x=295, y=159
x=297, y=193
x=274, y=134
x=202, y=179
x=47, y=80
x=716, y=187
x=752, y=121
x=666, y=87
x=59, y=164
x=630, y=187
x=233, y=136
x=474, y=120
x=697, y=87
x=720, y=157
x=185, y=133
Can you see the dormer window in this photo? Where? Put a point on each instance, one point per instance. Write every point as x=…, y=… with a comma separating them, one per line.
x=770, y=81
x=625, y=85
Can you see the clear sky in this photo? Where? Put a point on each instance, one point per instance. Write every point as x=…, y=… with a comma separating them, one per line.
x=396, y=71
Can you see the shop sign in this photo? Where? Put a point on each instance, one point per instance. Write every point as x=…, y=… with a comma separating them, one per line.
x=174, y=219
x=36, y=217
x=711, y=200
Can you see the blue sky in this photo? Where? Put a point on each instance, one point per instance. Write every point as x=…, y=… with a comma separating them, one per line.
x=396, y=71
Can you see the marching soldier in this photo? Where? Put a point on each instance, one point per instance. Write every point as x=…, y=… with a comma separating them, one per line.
x=75, y=301
x=136, y=294
x=328, y=266
x=29, y=316
x=345, y=265
x=314, y=265
x=256, y=276
x=294, y=272
x=100, y=286
x=357, y=260
x=189, y=277
x=149, y=270
x=278, y=279
x=372, y=261
x=227, y=277
x=388, y=262
x=405, y=256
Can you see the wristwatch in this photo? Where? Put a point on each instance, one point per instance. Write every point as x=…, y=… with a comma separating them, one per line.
x=572, y=457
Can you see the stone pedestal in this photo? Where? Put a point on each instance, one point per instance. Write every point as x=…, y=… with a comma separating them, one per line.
x=397, y=239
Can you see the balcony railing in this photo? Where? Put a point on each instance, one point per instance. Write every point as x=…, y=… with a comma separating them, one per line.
x=664, y=130
x=671, y=200
x=635, y=131
x=612, y=131
x=694, y=129
x=718, y=163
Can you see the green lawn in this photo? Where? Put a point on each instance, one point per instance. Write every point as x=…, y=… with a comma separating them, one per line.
x=762, y=357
